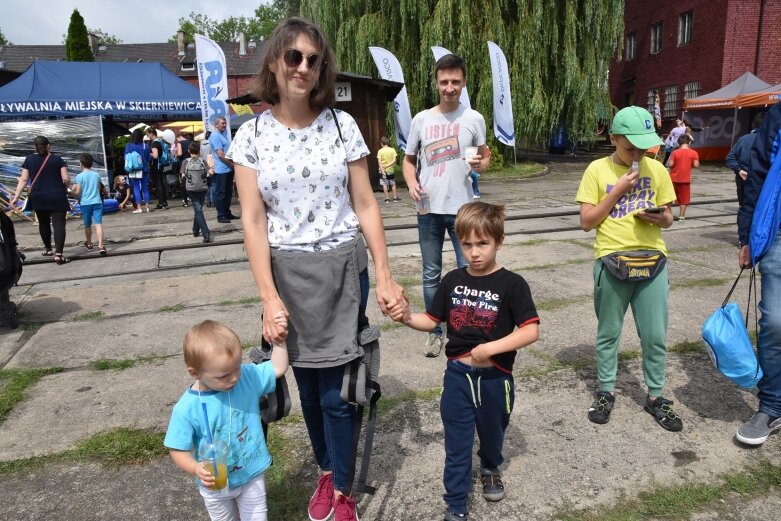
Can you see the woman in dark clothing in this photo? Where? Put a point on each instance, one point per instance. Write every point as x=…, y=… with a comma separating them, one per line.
x=156, y=170
x=48, y=195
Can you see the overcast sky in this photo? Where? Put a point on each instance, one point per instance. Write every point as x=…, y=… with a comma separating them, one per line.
x=44, y=22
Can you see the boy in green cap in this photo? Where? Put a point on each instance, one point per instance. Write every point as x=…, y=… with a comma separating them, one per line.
x=626, y=197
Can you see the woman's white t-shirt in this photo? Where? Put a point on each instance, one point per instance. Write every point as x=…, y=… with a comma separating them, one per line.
x=302, y=177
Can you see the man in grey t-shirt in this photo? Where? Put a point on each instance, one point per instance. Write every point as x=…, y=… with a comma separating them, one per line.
x=440, y=136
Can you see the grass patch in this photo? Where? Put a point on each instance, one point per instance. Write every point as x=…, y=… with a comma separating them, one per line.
x=172, y=309
x=533, y=242
x=16, y=383
x=681, y=501
x=520, y=170
x=288, y=495
x=116, y=447
x=390, y=326
x=245, y=300
x=686, y=347
x=700, y=283
x=92, y=315
x=558, y=303
x=553, y=265
x=105, y=364
x=33, y=327
x=387, y=404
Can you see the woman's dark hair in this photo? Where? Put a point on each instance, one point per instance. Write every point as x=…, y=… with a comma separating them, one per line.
x=41, y=145
x=284, y=36
x=137, y=137
x=449, y=62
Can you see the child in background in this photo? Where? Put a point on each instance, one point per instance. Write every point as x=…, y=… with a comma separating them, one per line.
x=196, y=173
x=386, y=156
x=681, y=162
x=490, y=315
x=87, y=187
x=122, y=192
x=228, y=393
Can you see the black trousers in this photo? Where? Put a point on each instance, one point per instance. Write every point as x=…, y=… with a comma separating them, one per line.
x=161, y=188
x=48, y=219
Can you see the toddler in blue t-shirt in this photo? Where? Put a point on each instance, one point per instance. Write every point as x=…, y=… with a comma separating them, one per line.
x=223, y=405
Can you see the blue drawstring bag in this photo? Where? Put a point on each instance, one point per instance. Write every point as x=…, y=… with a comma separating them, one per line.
x=726, y=334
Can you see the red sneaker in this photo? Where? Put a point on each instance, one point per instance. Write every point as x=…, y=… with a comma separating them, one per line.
x=344, y=509
x=321, y=506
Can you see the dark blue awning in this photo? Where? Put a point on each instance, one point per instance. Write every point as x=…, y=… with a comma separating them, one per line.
x=122, y=90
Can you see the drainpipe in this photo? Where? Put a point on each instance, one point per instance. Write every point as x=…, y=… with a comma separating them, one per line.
x=759, y=36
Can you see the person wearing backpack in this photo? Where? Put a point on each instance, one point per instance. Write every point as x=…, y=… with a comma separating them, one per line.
x=139, y=177
x=767, y=419
x=196, y=173
x=182, y=152
x=157, y=148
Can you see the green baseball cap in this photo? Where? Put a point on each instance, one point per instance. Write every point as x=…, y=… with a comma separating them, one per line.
x=637, y=124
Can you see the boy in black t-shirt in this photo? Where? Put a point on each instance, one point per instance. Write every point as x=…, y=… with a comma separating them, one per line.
x=490, y=315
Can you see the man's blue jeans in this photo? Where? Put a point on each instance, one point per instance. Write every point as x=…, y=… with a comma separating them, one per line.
x=223, y=194
x=769, y=337
x=431, y=235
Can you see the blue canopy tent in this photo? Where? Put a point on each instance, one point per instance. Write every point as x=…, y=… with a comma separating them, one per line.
x=125, y=91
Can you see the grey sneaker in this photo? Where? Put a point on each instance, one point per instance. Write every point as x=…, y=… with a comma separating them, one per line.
x=758, y=428
x=493, y=488
x=433, y=345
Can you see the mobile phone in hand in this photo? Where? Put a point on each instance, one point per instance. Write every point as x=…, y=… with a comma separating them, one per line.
x=655, y=209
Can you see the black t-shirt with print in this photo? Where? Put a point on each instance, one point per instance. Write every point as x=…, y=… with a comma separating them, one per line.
x=482, y=309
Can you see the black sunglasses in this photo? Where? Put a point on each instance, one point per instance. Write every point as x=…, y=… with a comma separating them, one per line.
x=294, y=57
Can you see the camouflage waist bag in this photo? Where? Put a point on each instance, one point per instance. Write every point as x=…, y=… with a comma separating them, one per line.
x=634, y=265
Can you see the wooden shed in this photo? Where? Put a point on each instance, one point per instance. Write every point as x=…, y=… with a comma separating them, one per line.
x=366, y=100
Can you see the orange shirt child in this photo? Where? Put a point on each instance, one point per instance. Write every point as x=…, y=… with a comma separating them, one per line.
x=681, y=162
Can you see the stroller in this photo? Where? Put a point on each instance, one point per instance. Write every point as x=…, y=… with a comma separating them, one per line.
x=172, y=183
x=10, y=270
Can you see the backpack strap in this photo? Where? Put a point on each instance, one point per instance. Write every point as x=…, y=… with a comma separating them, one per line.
x=338, y=128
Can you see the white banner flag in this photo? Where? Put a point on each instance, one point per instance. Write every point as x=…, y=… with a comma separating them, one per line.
x=440, y=52
x=390, y=69
x=212, y=82
x=503, y=104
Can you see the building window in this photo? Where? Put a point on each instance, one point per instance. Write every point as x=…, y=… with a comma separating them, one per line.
x=685, y=28
x=631, y=46
x=657, y=31
x=651, y=96
x=691, y=90
x=670, y=102
x=188, y=67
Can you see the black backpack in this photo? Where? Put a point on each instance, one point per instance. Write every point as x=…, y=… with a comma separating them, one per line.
x=195, y=172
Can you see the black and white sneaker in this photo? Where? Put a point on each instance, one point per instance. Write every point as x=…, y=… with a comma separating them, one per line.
x=600, y=410
x=662, y=411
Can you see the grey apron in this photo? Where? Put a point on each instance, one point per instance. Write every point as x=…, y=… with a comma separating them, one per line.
x=321, y=291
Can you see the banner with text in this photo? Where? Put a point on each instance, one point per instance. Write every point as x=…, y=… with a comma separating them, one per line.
x=390, y=69
x=503, y=104
x=212, y=82
x=440, y=52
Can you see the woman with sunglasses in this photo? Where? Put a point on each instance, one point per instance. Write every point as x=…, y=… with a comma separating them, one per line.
x=298, y=167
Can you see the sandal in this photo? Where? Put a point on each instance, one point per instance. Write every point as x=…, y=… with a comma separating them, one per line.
x=59, y=259
x=89, y=246
x=47, y=253
x=103, y=251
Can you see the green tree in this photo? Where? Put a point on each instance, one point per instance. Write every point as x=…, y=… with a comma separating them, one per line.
x=3, y=40
x=77, y=42
x=288, y=7
x=228, y=30
x=104, y=37
x=558, y=51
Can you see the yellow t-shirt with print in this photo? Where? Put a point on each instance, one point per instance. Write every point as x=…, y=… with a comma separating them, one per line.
x=621, y=231
x=387, y=159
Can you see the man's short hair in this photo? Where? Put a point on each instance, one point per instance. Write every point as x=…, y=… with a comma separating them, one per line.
x=209, y=338
x=86, y=160
x=449, y=62
x=482, y=219
x=685, y=140
x=194, y=147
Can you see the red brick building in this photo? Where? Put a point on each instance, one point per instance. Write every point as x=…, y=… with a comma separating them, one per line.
x=687, y=48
